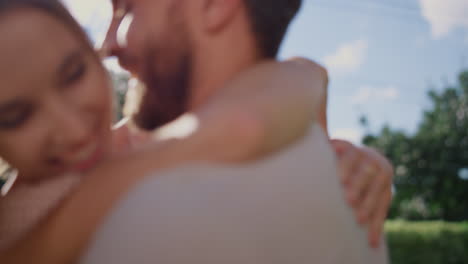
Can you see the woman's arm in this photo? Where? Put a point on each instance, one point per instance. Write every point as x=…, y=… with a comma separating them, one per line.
x=263, y=110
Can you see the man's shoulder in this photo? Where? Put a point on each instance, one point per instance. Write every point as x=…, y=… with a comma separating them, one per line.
x=288, y=208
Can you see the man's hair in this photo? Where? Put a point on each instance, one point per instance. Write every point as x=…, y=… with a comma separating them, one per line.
x=270, y=20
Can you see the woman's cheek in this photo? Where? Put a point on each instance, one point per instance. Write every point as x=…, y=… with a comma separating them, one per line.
x=23, y=154
x=97, y=90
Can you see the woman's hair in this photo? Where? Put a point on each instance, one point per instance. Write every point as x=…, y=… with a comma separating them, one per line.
x=52, y=7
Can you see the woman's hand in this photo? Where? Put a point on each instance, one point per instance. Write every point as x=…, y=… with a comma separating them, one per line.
x=367, y=176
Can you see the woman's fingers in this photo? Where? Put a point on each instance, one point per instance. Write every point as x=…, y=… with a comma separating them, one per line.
x=376, y=226
x=374, y=199
x=363, y=182
x=367, y=176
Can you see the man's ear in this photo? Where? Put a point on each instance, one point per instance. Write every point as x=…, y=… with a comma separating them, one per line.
x=219, y=13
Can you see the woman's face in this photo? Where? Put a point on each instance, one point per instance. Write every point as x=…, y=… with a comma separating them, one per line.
x=55, y=97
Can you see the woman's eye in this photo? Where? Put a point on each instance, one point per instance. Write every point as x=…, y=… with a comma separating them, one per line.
x=75, y=74
x=15, y=119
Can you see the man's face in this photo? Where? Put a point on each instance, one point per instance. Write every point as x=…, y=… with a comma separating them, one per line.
x=151, y=40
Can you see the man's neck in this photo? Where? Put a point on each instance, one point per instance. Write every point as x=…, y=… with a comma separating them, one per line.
x=218, y=67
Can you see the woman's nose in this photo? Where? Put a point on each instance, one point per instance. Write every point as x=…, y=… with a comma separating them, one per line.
x=70, y=126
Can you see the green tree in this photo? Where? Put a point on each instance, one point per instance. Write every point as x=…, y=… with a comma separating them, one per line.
x=120, y=85
x=431, y=165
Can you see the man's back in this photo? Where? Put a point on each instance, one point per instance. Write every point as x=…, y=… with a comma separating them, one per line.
x=286, y=209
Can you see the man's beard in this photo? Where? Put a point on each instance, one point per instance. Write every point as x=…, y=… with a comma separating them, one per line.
x=166, y=94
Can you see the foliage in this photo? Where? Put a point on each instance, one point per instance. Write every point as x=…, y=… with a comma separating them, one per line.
x=120, y=85
x=427, y=242
x=431, y=165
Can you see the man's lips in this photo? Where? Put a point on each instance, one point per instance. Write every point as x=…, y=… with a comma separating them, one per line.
x=128, y=63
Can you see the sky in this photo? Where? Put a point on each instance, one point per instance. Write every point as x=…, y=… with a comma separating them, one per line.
x=382, y=56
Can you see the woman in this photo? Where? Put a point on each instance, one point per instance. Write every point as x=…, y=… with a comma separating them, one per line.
x=55, y=116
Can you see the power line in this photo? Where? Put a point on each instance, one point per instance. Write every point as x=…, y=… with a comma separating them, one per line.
x=360, y=9
x=399, y=7
x=368, y=6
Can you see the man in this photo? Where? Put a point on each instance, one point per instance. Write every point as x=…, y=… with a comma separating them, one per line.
x=271, y=211
x=185, y=50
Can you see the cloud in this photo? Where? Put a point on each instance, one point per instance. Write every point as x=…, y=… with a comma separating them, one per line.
x=445, y=15
x=350, y=134
x=347, y=58
x=367, y=94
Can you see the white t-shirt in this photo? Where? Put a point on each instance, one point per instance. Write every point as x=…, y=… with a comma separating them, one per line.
x=289, y=208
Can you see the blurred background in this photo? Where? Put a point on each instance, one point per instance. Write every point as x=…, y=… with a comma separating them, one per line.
x=399, y=82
